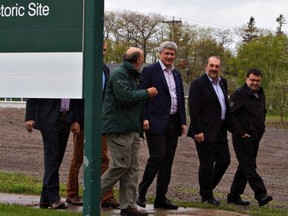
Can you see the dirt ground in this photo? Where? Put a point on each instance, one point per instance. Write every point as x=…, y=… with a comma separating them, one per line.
x=22, y=152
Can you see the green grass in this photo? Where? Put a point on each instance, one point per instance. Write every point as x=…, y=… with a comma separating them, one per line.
x=253, y=210
x=23, y=184
x=15, y=210
x=275, y=118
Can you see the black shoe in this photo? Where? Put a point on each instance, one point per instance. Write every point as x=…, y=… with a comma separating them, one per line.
x=165, y=205
x=211, y=201
x=264, y=200
x=44, y=205
x=141, y=201
x=239, y=202
x=132, y=212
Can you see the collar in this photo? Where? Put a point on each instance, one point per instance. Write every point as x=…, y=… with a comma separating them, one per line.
x=163, y=66
x=211, y=80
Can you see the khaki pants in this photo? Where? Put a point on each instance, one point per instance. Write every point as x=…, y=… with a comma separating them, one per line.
x=124, y=167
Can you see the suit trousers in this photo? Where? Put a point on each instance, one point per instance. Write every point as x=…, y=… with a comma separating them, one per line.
x=124, y=167
x=246, y=151
x=162, y=149
x=214, y=159
x=55, y=142
x=77, y=161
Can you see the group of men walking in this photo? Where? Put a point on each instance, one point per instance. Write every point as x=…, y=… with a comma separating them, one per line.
x=153, y=101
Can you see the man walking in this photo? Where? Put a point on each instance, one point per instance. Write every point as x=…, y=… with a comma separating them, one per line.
x=248, y=111
x=209, y=113
x=122, y=125
x=164, y=121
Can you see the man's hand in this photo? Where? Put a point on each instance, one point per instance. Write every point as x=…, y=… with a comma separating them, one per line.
x=29, y=125
x=146, y=125
x=75, y=128
x=183, y=129
x=199, y=137
x=152, y=92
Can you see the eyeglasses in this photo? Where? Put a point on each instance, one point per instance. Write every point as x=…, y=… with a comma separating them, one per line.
x=254, y=80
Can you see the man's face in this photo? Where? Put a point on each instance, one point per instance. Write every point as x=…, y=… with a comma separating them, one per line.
x=104, y=48
x=167, y=57
x=140, y=61
x=253, y=82
x=213, y=68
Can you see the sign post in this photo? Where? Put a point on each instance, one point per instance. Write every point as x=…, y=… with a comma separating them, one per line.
x=93, y=70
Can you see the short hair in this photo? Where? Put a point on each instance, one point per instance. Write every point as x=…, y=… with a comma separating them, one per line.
x=217, y=57
x=132, y=57
x=168, y=45
x=254, y=71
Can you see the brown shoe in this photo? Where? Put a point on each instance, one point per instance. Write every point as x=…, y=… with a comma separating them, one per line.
x=74, y=201
x=132, y=212
x=58, y=205
x=110, y=203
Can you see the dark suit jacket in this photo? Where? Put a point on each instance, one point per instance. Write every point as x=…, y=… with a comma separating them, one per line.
x=43, y=111
x=78, y=104
x=157, y=109
x=205, y=108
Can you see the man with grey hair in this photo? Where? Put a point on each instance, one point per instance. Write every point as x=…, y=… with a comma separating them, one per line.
x=164, y=120
x=122, y=125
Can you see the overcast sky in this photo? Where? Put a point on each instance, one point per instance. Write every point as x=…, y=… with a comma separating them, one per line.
x=221, y=13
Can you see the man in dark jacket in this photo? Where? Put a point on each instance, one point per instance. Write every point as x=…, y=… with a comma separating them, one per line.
x=164, y=121
x=248, y=113
x=53, y=118
x=209, y=114
x=122, y=125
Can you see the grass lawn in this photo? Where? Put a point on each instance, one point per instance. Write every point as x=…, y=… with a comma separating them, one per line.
x=23, y=184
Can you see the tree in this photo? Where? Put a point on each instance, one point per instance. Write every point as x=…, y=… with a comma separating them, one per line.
x=248, y=32
x=281, y=21
x=132, y=29
x=269, y=54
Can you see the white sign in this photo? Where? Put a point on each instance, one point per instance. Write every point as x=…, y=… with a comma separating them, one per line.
x=41, y=75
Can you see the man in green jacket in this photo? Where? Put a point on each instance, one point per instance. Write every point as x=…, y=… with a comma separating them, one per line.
x=122, y=124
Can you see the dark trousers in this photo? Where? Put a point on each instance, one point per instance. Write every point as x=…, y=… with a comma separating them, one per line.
x=162, y=149
x=214, y=158
x=246, y=151
x=55, y=142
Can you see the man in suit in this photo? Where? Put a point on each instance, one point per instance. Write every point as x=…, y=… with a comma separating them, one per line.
x=209, y=114
x=164, y=121
x=53, y=118
x=77, y=129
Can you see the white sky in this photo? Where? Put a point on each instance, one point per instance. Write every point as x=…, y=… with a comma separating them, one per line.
x=219, y=14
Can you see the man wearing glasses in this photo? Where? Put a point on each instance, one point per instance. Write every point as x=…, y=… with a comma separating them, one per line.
x=248, y=111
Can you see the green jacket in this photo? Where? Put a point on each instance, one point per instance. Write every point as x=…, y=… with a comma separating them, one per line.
x=122, y=106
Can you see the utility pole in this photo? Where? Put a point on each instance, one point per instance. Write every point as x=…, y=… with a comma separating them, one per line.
x=172, y=22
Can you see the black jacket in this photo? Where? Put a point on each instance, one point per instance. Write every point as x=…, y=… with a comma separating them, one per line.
x=205, y=109
x=44, y=112
x=248, y=112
